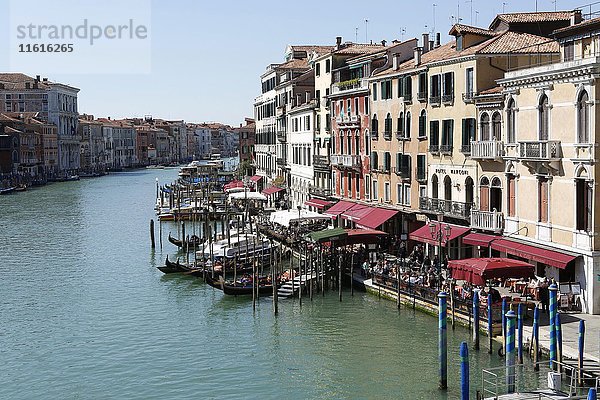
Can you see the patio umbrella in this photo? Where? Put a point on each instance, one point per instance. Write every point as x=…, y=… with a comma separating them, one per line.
x=479, y=270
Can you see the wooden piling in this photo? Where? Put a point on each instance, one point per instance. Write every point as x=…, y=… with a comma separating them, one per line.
x=274, y=281
x=152, y=234
x=352, y=274
x=452, y=309
x=340, y=262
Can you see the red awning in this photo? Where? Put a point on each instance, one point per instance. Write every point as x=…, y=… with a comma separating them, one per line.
x=364, y=236
x=480, y=239
x=318, y=203
x=339, y=208
x=271, y=190
x=479, y=270
x=234, y=184
x=377, y=217
x=357, y=212
x=423, y=234
x=256, y=178
x=533, y=253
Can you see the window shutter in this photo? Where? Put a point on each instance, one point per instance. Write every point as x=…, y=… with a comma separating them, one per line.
x=421, y=125
x=465, y=136
x=484, y=198
x=398, y=162
x=511, y=196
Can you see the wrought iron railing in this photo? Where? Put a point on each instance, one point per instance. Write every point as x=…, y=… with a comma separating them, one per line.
x=447, y=207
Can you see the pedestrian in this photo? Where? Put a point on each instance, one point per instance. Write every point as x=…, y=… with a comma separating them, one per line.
x=544, y=296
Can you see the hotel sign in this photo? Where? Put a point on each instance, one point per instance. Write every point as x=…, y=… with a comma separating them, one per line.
x=453, y=171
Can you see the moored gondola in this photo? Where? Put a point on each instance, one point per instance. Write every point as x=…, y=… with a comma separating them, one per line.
x=193, y=241
x=238, y=288
x=173, y=267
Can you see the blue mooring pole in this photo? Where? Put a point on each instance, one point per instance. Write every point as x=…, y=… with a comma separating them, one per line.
x=558, y=327
x=581, y=343
x=490, y=323
x=553, y=289
x=535, y=342
x=592, y=394
x=476, y=319
x=504, y=311
x=510, y=351
x=443, y=340
x=464, y=371
x=520, y=334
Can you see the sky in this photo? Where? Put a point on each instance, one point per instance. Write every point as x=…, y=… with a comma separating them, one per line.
x=206, y=57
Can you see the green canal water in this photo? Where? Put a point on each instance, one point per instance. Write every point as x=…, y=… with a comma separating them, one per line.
x=84, y=314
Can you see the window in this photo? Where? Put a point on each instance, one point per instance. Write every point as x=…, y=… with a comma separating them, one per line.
x=510, y=122
x=342, y=193
x=318, y=69
x=459, y=43
x=407, y=88
x=356, y=111
x=447, y=133
x=349, y=177
x=400, y=125
x=374, y=161
x=422, y=191
x=448, y=94
x=400, y=87
x=375, y=193
x=434, y=187
x=367, y=143
x=543, y=118
x=327, y=66
x=357, y=185
x=583, y=204
x=583, y=118
x=423, y=124
x=435, y=89
x=406, y=197
x=386, y=193
x=543, y=187
x=484, y=127
x=399, y=192
x=422, y=86
x=386, y=90
x=469, y=89
x=375, y=92
x=511, y=194
x=307, y=123
x=421, y=163
x=388, y=125
x=368, y=187
x=434, y=136
x=496, y=126
x=569, y=49
x=375, y=126
x=408, y=123
x=366, y=106
x=468, y=134
x=387, y=161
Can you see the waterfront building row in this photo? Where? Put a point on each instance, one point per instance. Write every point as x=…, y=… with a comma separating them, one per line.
x=492, y=134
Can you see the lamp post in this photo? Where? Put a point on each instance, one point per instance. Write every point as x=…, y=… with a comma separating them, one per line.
x=439, y=236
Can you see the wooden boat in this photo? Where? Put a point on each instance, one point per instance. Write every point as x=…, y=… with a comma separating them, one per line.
x=173, y=267
x=7, y=190
x=192, y=242
x=237, y=288
x=21, y=188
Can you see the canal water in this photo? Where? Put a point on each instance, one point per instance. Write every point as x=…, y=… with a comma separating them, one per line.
x=85, y=314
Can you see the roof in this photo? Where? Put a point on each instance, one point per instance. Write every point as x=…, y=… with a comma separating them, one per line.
x=328, y=235
x=479, y=270
x=339, y=208
x=310, y=48
x=294, y=63
x=460, y=29
x=494, y=90
x=377, y=217
x=359, y=48
x=15, y=81
x=532, y=17
x=562, y=32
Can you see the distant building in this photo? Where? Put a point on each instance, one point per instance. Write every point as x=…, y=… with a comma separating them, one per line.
x=247, y=139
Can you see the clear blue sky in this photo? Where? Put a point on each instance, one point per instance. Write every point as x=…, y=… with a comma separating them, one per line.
x=207, y=56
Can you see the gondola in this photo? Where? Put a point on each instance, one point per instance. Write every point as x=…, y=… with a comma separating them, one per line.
x=173, y=267
x=199, y=270
x=237, y=289
x=192, y=243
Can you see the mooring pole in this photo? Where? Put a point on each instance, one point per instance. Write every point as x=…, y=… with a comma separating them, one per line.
x=443, y=340
x=581, y=342
x=476, y=319
x=520, y=334
x=464, y=371
x=558, y=327
x=510, y=351
x=553, y=311
x=310, y=263
x=592, y=394
x=504, y=311
x=535, y=341
x=152, y=234
x=453, y=310
x=340, y=261
x=490, y=324
x=274, y=282
x=352, y=273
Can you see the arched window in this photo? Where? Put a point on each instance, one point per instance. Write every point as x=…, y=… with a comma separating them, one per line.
x=544, y=118
x=484, y=194
x=367, y=142
x=496, y=126
x=434, y=186
x=400, y=131
x=484, y=127
x=388, y=125
x=341, y=142
x=584, y=191
x=469, y=191
x=423, y=124
x=357, y=143
x=510, y=122
x=375, y=126
x=583, y=118
x=447, y=190
x=408, y=122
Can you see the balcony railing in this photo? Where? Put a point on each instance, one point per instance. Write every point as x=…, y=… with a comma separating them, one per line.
x=468, y=97
x=387, y=135
x=540, y=150
x=349, y=121
x=280, y=161
x=435, y=100
x=465, y=149
x=422, y=96
x=347, y=161
x=407, y=98
x=351, y=84
x=281, y=135
x=446, y=149
x=487, y=220
x=448, y=99
x=403, y=171
x=487, y=150
x=434, y=148
x=321, y=162
x=451, y=208
x=319, y=191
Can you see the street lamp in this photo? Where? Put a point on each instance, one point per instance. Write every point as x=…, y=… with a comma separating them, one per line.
x=438, y=236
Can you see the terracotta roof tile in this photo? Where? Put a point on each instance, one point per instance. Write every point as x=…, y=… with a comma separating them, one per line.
x=14, y=81
x=360, y=49
x=494, y=90
x=294, y=63
x=310, y=48
x=459, y=29
x=529, y=17
x=583, y=25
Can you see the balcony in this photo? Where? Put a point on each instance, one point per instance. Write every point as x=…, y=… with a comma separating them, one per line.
x=446, y=149
x=487, y=150
x=348, y=121
x=380, y=169
x=280, y=110
x=434, y=148
x=540, y=150
x=487, y=220
x=448, y=99
x=319, y=191
x=321, y=162
x=469, y=97
x=387, y=135
x=346, y=161
x=422, y=96
x=280, y=161
x=281, y=135
x=435, y=100
x=403, y=172
x=352, y=84
x=449, y=208
x=401, y=136
x=407, y=98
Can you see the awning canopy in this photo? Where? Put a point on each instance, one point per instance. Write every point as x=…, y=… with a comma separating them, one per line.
x=357, y=212
x=479, y=270
x=233, y=185
x=246, y=195
x=328, y=235
x=339, y=208
x=255, y=178
x=364, y=236
x=479, y=239
x=376, y=218
x=318, y=203
x=423, y=234
x=271, y=190
x=553, y=258
x=285, y=217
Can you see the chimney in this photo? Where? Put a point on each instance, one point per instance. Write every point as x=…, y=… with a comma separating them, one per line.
x=431, y=45
x=418, y=53
x=45, y=79
x=338, y=42
x=27, y=85
x=37, y=78
x=383, y=42
x=575, y=17
x=308, y=96
x=425, y=43
x=438, y=39
x=395, y=61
